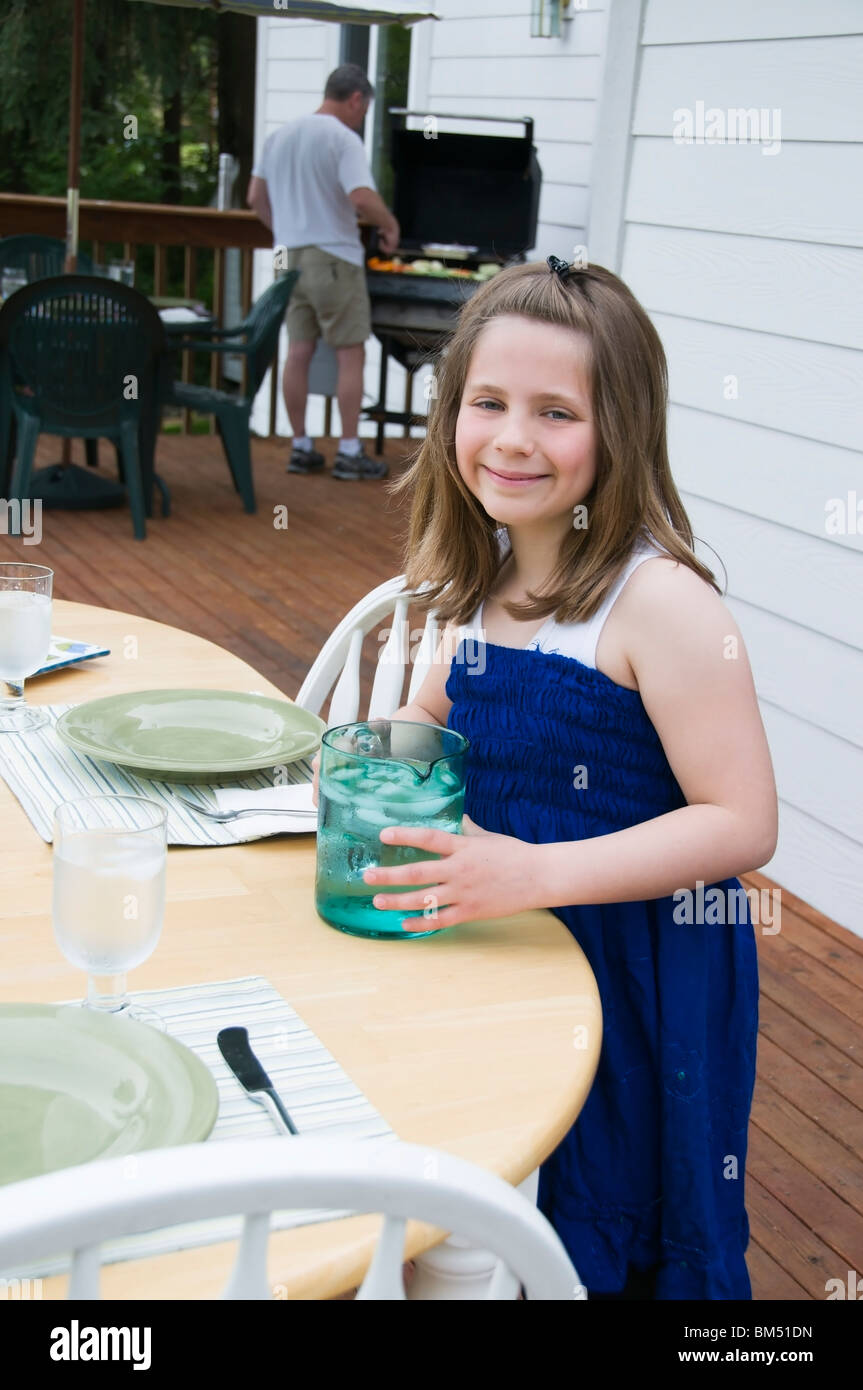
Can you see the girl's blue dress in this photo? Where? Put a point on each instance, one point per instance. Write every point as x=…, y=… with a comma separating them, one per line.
x=652, y=1172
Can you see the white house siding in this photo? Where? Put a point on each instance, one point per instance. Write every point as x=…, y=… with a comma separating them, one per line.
x=751, y=266
x=477, y=59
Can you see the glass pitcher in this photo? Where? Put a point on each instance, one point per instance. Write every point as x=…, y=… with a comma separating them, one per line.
x=384, y=772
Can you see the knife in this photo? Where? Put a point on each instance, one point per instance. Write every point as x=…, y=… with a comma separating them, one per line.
x=236, y=1050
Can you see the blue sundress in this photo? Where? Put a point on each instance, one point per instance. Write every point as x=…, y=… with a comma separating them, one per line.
x=652, y=1171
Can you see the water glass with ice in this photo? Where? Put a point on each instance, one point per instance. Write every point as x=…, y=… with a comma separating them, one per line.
x=25, y=636
x=110, y=854
x=382, y=772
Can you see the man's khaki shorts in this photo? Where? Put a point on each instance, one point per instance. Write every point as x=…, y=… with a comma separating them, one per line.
x=330, y=299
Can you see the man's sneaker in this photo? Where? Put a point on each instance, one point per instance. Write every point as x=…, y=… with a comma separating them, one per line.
x=305, y=461
x=355, y=466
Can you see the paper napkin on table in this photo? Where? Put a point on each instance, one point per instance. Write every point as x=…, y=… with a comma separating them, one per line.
x=297, y=797
x=65, y=652
x=179, y=315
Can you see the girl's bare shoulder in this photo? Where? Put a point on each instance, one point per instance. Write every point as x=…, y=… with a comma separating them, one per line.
x=662, y=578
x=665, y=602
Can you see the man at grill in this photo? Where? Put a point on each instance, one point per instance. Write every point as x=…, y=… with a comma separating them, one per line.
x=309, y=185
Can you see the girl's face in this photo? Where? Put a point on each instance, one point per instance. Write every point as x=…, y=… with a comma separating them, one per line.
x=524, y=439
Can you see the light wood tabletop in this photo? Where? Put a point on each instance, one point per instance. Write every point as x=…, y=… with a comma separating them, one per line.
x=465, y=1041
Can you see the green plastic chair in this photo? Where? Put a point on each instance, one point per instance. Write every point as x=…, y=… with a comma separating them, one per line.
x=81, y=356
x=39, y=256
x=256, y=338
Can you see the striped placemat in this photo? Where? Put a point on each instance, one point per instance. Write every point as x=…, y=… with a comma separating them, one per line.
x=42, y=772
x=320, y=1097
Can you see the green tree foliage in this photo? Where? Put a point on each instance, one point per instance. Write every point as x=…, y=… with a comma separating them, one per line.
x=152, y=62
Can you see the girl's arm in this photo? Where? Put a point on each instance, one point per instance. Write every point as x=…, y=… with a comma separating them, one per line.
x=696, y=684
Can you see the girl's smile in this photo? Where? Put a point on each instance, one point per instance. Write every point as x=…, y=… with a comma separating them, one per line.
x=525, y=438
x=515, y=479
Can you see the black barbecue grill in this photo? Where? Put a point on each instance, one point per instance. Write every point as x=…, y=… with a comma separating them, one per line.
x=475, y=194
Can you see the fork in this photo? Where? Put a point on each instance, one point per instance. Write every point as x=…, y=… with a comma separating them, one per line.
x=222, y=816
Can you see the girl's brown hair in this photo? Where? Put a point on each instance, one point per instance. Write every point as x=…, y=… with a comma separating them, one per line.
x=451, y=544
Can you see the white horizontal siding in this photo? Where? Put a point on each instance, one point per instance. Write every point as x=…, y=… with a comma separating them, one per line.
x=461, y=34
x=803, y=388
x=296, y=78
x=807, y=192
x=564, y=205
x=692, y=21
x=488, y=76
x=563, y=161
x=819, y=864
x=802, y=672
x=296, y=39
x=794, y=288
x=552, y=240
x=827, y=784
x=806, y=581
x=454, y=12
x=779, y=477
x=815, y=85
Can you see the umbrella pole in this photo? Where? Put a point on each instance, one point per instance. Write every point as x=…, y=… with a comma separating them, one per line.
x=64, y=484
x=73, y=172
x=73, y=178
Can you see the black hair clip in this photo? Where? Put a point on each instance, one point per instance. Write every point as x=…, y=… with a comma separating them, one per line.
x=556, y=265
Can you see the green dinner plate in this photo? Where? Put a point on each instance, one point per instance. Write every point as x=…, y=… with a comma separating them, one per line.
x=187, y=735
x=76, y=1085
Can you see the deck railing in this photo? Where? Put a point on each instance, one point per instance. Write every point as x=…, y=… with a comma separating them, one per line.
x=156, y=225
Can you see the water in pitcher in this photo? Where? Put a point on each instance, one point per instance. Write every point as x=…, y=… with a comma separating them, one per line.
x=25, y=632
x=109, y=900
x=355, y=804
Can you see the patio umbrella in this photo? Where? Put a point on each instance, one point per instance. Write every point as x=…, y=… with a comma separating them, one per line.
x=69, y=485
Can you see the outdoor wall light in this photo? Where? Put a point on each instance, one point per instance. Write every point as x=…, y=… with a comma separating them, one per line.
x=545, y=19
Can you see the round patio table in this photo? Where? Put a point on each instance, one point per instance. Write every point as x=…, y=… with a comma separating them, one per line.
x=463, y=1041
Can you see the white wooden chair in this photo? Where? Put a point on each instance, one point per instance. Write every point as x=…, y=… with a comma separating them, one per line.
x=338, y=662
x=76, y=1210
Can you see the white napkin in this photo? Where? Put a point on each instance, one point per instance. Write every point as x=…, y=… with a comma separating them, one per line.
x=179, y=314
x=295, y=797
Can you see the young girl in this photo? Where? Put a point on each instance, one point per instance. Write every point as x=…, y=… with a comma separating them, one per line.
x=617, y=756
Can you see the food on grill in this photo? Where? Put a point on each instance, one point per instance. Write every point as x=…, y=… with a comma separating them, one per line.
x=396, y=265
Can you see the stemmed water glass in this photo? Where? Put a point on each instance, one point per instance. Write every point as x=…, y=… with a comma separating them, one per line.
x=110, y=854
x=25, y=637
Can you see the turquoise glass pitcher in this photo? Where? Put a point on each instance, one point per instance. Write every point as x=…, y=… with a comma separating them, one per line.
x=384, y=772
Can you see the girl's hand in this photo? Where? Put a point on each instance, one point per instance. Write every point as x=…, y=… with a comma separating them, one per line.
x=479, y=874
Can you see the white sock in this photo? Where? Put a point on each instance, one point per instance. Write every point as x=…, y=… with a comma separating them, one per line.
x=349, y=446
x=302, y=441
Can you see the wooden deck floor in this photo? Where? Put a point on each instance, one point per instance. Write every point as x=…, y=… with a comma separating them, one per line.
x=273, y=596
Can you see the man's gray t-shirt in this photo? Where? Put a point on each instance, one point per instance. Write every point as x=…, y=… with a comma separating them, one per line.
x=310, y=166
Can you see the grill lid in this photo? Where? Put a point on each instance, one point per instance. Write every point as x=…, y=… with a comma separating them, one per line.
x=470, y=190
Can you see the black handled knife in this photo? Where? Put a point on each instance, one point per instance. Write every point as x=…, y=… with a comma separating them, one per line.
x=235, y=1048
